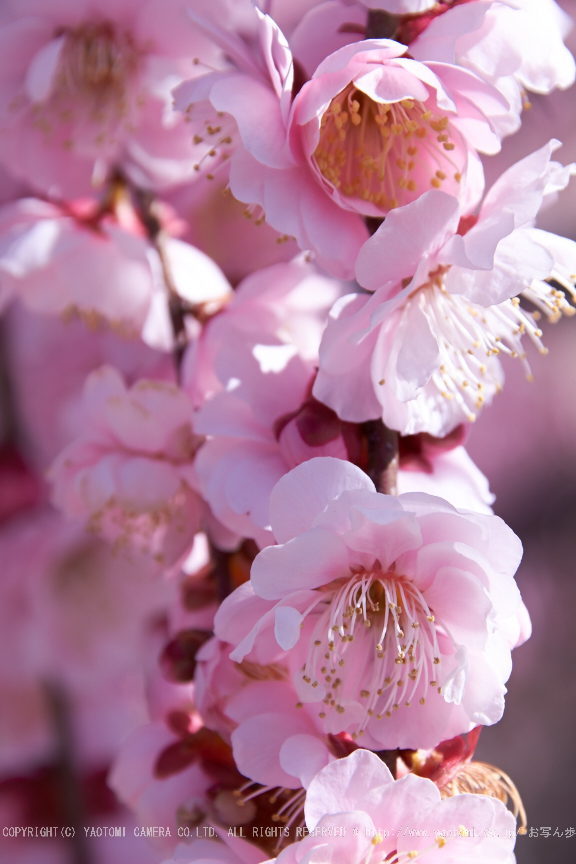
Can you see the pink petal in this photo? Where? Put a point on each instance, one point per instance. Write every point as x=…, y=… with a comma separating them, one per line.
x=304, y=756
x=306, y=562
x=407, y=234
x=287, y=626
x=256, y=109
x=342, y=785
x=256, y=746
x=304, y=492
x=42, y=69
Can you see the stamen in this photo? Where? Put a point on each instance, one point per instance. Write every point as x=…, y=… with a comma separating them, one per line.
x=470, y=335
x=479, y=778
x=383, y=155
x=96, y=62
x=402, y=638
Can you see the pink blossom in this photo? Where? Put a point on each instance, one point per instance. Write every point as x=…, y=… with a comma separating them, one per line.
x=298, y=158
x=130, y=476
x=258, y=431
x=236, y=239
x=197, y=591
x=216, y=679
x=251, y=445
x=159, y=797
x=496, y=42
x=423, y=350
x=43, y=248
x=450, y=474
x=183, y=777
x=283, y=306
x=87, y=89
x=402, y=567
x=356, y=812
x=274, y=742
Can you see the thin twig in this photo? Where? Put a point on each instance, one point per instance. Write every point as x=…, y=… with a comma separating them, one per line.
x=70, y=791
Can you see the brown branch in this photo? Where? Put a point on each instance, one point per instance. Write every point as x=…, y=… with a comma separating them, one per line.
x=68, y=780
x=381, y=24
x=147, y=206
x=221, y=572
x=390, y=759
x=382, y=456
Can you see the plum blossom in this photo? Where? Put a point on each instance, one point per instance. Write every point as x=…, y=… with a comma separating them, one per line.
x=423, y=350
x=397, y=820
x=392, y=613
x=226, y=230
x=159, y=775
x=495, y=40
x=371, y=130
x=274, y=742
x=44, y=244
x=284, y=306
x=250, y=445
x=87, y=89
x=129, y=477
x=258, y=431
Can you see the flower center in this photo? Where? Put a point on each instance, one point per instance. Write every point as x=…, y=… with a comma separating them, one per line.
x=386, y=154
x=96, y=62
x=399, y=649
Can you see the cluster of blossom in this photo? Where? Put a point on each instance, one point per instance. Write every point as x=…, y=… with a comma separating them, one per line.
x=254, y=293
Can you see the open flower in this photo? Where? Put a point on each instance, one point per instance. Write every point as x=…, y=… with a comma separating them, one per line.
x=45, y=246
x=87, y=89
x=370, y=131
x=496, y=42
x=284, y=306
x=129, y=477
x=275, y=741
x=422, y=352
x=356, y=812
x=391, y=613
x=267, y=422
